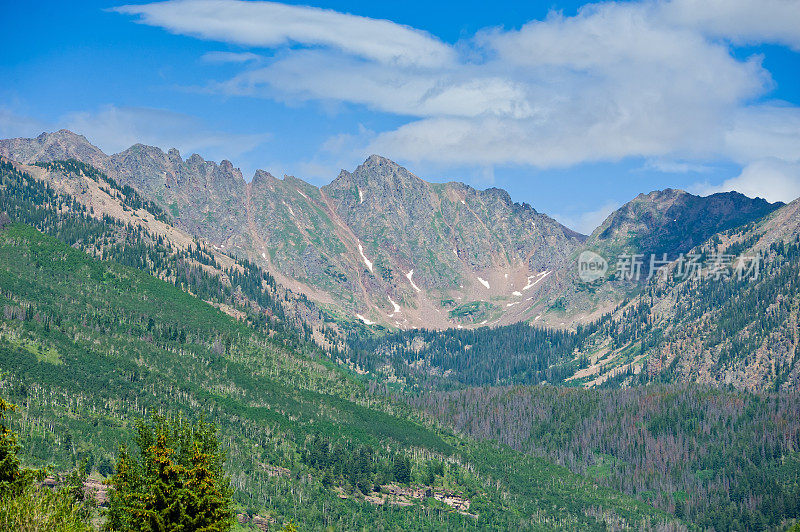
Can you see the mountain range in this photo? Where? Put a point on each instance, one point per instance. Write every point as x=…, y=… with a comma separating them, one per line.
x=110, y=314
x=380, y=249
x=382, y=246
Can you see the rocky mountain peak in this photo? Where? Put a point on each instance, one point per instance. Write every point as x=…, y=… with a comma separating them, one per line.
x=667, y=193
x=376, y=161
x=61, y=144
x=262, y=177
x=62, y=135
x=379, y=171
x=376, y=172
x=673, y=221
x=196, y=160
x=145, y=150
x=498, y=194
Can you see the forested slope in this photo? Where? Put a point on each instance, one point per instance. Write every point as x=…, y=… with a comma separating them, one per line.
x=89, y=345
x=721, y=459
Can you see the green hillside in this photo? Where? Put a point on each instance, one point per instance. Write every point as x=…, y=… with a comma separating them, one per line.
x=90, y=345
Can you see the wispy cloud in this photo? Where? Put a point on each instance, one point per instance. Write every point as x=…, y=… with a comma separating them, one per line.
x=740, y=21
x=115, y=128
x=325, y=75
x=271, y=24
x=230, y=57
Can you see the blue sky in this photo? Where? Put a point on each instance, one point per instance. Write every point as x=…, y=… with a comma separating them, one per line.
x=573, y=108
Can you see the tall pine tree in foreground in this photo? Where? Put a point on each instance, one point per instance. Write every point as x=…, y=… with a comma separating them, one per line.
x=175, y=481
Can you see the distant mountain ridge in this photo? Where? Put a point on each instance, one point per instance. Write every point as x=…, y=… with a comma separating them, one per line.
x=382, y=246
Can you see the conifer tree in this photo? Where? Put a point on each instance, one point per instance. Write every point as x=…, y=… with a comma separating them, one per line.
x=11, y=477
x=176, y=483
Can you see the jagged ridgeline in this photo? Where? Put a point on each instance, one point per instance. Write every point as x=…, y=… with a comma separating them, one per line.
x=89, y=342
x=378, y=245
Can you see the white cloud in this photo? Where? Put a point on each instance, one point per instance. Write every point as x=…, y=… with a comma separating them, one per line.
x=323, y=75
x=230, y=57
x=771, y=179
x=270, y=24
x=588, y=221
x=609, y=83
x=114, y=129
x=740, y=21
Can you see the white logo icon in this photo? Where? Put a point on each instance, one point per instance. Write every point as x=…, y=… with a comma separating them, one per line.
x=591, y=266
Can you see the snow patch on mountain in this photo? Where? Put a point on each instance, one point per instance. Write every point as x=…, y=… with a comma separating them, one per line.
x=408, y=276
x=365, y=320
x=366, y=260
x=533, y=280
x=484, y=282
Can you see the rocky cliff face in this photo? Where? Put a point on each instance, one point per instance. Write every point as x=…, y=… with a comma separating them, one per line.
x=454, y=244
x=391, y=247
x=204, y=197
x=460, y=226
